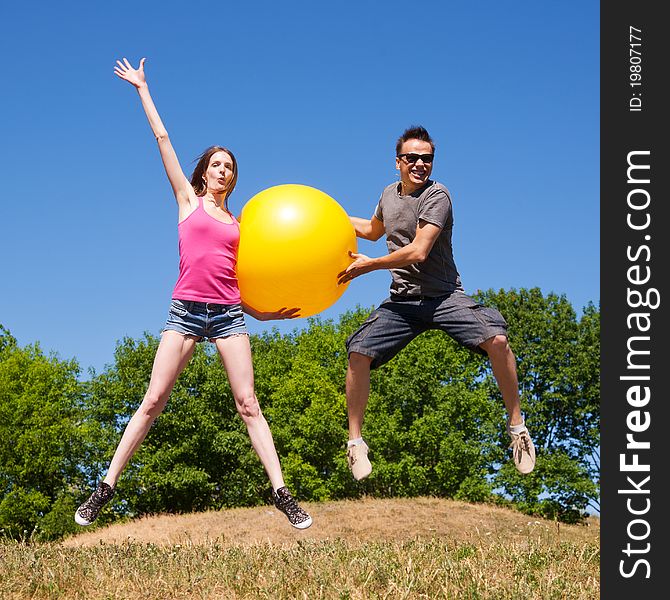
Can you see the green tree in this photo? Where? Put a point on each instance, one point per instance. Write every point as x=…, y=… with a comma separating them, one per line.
x=558, y=366
x=42, y=436
x=435, y=420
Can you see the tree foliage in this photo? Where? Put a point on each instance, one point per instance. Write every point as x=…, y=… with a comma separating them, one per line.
x=435, y=422
x=558, y=362
x=43, y=440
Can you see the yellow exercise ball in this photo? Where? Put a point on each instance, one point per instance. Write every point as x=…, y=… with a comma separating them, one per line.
x=294, y=240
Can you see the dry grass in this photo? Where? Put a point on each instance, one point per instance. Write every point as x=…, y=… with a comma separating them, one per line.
x=401, y=548
x=354, y=520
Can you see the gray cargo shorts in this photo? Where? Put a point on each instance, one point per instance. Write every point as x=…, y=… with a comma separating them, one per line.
x=399, y=319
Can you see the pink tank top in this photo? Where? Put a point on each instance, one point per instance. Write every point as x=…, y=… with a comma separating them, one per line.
x=207, y=259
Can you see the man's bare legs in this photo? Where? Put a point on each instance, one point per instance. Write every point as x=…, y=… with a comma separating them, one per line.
x=503, y=364
x=358, y=392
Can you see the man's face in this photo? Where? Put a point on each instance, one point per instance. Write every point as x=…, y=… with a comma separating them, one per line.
x=415, y=163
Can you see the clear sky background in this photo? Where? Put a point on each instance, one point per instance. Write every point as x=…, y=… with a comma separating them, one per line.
x=303, y=92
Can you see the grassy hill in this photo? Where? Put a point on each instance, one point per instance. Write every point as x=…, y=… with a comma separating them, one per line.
x=388, y=548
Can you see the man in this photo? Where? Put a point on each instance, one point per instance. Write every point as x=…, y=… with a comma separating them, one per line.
x=415, y=214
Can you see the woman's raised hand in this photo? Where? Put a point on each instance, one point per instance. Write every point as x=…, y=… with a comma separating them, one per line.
x=132, y=76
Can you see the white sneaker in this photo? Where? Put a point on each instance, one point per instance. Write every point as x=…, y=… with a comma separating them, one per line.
x=523, y=451
x=357, y=457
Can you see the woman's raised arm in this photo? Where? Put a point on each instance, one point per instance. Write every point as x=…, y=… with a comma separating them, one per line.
x=181, y=186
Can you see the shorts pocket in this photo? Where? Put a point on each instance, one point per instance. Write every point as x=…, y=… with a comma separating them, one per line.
x=488, y=316
x=178, y=309
x=235, y=312
x=362, y=332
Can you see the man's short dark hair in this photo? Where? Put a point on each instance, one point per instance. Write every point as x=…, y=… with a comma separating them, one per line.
x=415, y=132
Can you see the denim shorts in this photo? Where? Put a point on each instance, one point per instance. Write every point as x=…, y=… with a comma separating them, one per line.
x=205, y=320
x=398, y=320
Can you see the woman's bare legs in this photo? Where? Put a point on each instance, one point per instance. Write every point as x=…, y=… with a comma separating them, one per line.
x=172, y=356
x=235, y=352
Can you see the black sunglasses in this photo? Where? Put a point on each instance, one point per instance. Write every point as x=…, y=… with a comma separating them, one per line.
x=411, y=157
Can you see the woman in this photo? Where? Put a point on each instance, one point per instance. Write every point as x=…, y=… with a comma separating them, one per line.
x=206, y=305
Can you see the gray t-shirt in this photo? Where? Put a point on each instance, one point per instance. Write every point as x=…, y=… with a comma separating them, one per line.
x=437, y=275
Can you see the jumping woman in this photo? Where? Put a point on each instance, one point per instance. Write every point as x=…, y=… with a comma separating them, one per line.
x=206, y=305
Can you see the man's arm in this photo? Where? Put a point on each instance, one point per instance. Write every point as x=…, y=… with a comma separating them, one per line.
x=368, y=229
x=415, y=252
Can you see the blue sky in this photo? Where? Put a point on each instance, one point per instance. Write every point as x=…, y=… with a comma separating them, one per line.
x=302, y=92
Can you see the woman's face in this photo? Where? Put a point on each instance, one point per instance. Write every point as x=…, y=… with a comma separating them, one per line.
x=219, y=174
